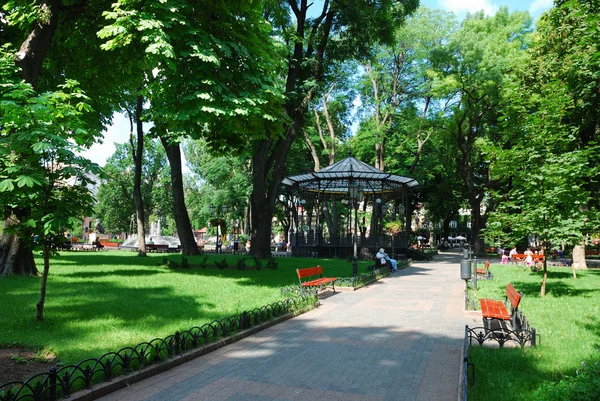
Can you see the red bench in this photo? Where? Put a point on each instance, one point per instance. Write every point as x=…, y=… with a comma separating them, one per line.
x=109, y=244
x=520, y=257
x=495, y=311
x=318, y=283
x=485, y=271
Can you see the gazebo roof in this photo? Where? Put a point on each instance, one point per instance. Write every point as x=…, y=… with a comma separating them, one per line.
x=337, y=178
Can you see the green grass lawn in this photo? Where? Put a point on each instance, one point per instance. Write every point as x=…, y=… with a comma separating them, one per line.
x=102, y=301
x=567, y=319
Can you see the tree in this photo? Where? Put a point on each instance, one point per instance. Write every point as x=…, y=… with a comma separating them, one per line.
x=552, y=116
x=224, y=180
x=44, y=62
x=209, y=75
x=40, y=137
x=356, y=26
x=116, y=204
x=480, y=60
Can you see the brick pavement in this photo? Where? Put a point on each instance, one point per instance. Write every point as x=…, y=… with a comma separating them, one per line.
x=397, y=339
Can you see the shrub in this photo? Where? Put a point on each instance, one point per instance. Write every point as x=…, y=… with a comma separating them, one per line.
x=184, y=263
x=272, y=264
x=204, y=262
x=257, y=263
x=222, y=264
x=241, y=264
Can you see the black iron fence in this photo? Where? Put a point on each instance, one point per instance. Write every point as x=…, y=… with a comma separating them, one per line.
x=465, y=368
x=63, y=381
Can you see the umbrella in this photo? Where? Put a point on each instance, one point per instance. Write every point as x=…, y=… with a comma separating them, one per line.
x=460, y=238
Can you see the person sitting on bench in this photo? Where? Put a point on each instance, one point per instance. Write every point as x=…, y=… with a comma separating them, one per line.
x=382, y=255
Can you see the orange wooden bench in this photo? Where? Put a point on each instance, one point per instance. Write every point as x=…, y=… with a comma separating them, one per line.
x=485, y=271
x=520, y=257
x=318, y=283
x=495, y=310
x=109, y=244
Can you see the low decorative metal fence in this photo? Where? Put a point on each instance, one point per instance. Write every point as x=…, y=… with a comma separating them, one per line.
x=63, y=381
x=465, y=367
x=503, y=335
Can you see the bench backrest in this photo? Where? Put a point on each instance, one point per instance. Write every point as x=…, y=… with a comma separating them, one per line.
x=513, y=296
x=310, y=271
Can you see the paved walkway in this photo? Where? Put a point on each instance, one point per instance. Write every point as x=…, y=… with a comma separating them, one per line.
x=398, y=339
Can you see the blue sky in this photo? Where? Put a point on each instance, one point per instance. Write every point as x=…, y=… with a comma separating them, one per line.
x=119, y=132
x=461, y=7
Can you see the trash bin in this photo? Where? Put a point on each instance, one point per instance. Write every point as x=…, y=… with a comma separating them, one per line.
x=466, y=253
x=465, y=269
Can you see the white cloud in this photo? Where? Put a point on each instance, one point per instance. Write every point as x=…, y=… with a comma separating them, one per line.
x=470, y=6
x=539, y=6
x=116, y=133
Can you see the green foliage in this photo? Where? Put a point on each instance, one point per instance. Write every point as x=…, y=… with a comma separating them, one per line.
x=40, y=170
x=115, y=196
x=222, y=264
x=257, y=263
x=204, y=262
x=551, y=155
x=222, y=179
x=207, y=76
x=272, y=264
x=241, y=264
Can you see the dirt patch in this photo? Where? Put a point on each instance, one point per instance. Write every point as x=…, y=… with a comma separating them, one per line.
x=20, y=364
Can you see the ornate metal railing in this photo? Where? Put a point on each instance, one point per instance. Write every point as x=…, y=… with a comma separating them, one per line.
x=465, y=367
x=63, y=381
x=504, y=335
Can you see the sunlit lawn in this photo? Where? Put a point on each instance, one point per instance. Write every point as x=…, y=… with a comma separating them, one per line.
x=102, y=301
x=567, y=319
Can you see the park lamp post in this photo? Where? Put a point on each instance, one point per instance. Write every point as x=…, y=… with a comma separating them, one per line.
x=355, y=193
x=401, y=210
x=299, y=217
x=381, y=211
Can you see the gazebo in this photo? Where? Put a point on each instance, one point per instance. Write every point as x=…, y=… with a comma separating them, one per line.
x=354, y=184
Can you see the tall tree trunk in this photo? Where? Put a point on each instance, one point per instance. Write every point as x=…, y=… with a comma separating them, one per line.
x=32, y=52
x=182, y=219
x=16, y=257
x=477, y=242
x=39, y=315
x=579, y=257
x=137, y=151
x=269, y=155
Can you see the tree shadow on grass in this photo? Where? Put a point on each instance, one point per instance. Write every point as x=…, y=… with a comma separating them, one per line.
x=592, y=325
x=124, y=273
x=556, y=288
x=102, y=258
x=81, y=316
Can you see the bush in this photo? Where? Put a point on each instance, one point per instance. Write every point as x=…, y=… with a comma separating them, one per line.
x=257, y=263
x=184, y=263
x=241, y=264
x=222, y=264
x=272, y=264
x=204, y=262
